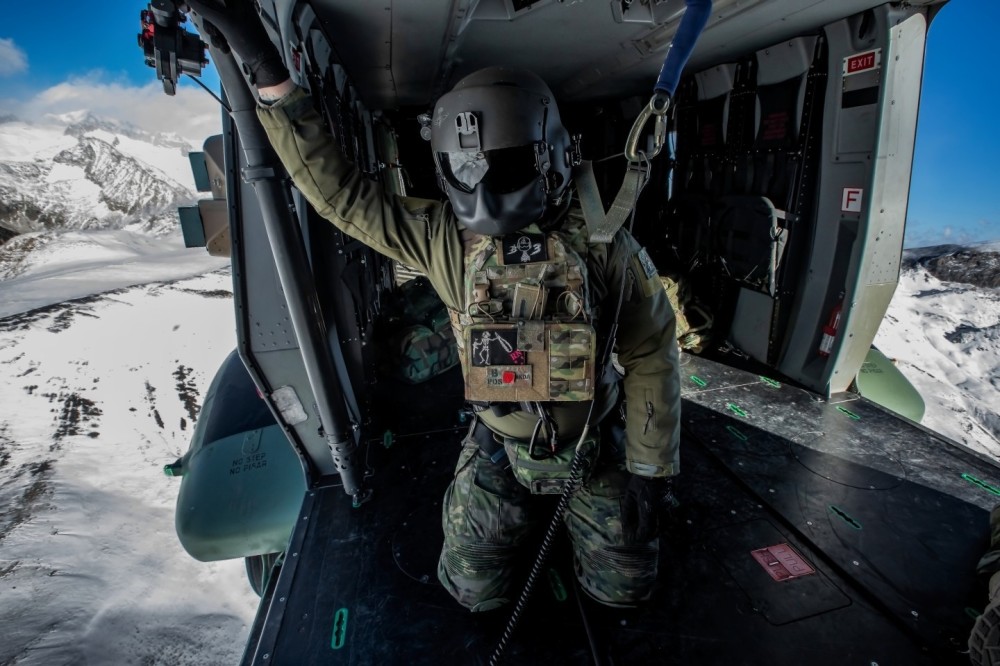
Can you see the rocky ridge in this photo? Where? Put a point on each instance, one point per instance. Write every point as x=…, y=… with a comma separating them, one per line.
x=89, y=174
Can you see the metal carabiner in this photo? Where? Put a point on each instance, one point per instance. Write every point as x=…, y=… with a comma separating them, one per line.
x=658, y=106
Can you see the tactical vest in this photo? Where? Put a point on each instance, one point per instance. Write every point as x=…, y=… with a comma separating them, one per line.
x=527, y=333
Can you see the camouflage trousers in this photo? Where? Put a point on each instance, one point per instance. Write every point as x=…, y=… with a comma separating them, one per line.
x=488, y=516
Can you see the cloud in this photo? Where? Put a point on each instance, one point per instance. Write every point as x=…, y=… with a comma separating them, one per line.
x=191, y=113
x=12, y=59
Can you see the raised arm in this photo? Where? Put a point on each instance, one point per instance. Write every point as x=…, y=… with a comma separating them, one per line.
x=417, y=232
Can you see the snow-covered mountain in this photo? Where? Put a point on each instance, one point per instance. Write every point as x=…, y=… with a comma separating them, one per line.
x=75, y=171
x=943, y=330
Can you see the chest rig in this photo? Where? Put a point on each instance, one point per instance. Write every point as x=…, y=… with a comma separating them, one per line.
x=527, y=333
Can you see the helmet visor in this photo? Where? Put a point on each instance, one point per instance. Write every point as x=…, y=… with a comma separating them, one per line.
x=501, y=171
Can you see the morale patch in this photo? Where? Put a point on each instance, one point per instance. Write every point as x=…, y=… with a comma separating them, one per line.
x=496, y=347
x=523, y=248
x=508, y=375
x=645, y=273
x=647, y=264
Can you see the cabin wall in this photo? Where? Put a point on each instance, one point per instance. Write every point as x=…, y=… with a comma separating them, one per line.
x=265, y=336
x=790, y=190
x=869, y=130
x=349, y=278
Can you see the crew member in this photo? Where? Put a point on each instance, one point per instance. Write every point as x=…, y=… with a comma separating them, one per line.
x=532, y=302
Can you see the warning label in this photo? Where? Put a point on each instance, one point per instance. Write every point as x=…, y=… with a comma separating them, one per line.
x=248, y=463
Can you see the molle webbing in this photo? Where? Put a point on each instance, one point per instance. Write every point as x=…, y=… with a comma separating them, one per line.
x=527, y=332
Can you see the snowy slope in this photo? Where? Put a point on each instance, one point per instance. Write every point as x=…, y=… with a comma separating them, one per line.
x=98, y=394
x=42, y=268
x=943, y=330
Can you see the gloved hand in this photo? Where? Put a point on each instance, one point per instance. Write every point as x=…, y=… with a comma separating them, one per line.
x=646, y=501
x=236, y=24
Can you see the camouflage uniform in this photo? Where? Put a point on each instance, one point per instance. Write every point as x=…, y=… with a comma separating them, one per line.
x=487, y=513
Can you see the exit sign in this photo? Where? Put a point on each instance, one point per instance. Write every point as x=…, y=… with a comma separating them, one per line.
x=862, y=62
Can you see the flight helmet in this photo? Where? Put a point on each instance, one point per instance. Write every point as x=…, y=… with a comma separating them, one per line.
x=500, y=149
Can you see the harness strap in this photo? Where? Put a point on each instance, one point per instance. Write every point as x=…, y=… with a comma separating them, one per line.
x=604, y=225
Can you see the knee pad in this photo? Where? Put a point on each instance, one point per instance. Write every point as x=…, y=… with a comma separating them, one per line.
x=477, y=575
x=472, y=560
x=617, y=575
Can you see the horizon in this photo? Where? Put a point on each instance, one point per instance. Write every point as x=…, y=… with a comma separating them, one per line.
x=953, y=194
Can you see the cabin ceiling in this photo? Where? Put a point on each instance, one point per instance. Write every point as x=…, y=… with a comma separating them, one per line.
x=408, y=52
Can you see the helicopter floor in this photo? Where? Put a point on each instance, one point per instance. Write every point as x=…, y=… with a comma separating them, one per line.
x=811, y=531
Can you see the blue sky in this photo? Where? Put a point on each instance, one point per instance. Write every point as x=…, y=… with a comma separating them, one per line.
x=52, y=58
x=955, y=189
x=60, y=44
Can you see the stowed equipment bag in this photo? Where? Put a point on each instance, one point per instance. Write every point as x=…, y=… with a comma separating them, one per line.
x=694, y=323
x=423, y=343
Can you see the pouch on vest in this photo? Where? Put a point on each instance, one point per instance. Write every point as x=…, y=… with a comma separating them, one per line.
x=548, y=476
x=530, y=361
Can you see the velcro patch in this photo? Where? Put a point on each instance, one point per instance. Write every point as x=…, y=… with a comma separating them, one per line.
x=646, y=274
x=648, y=267
x=523, y=248
x=508, y=375
x=496, y=347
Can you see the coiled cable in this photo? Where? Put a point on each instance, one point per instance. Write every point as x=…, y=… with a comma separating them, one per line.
x=575, y=476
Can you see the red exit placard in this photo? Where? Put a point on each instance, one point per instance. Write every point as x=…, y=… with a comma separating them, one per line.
x=862, y=62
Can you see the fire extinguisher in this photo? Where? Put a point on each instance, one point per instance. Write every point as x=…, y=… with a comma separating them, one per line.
x=830, y=330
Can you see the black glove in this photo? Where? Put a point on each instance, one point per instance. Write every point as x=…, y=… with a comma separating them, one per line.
x=236, y=25
x=646, y=501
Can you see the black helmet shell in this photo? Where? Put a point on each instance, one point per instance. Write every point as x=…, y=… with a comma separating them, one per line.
x=491, y=110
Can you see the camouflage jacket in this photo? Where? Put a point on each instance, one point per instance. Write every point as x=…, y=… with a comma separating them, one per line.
x=425, y=234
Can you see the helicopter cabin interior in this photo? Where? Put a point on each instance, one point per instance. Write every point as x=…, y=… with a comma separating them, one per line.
x=779, y=202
